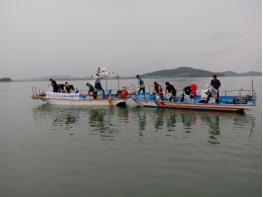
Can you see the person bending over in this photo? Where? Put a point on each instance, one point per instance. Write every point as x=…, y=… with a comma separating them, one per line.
x=92, y=90
x=54, y=85
x=158, y=89
x=171, y=90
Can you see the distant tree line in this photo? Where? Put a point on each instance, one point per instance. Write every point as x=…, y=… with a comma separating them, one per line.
x=5, y=79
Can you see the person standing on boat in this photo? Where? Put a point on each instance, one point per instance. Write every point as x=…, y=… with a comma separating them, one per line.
x=216, y=84
x=159, y=90
x=98, y=85
x=54, y=85
x=141, y=84
x=171, y=90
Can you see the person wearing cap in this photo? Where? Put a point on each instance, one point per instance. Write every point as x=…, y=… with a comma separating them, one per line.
x=171, y=90
x=216, y=84
x=141, y=84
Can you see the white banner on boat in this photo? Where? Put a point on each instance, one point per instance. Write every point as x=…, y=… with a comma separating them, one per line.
x=70, y=96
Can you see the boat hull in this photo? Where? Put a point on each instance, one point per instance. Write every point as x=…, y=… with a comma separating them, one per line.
x=204, y=107
x=89, y=102
x=188, y=106
x=142, y=103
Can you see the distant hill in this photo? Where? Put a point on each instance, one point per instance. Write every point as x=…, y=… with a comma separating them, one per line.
x=250, y=73
x=193, y=72
x=5, y=79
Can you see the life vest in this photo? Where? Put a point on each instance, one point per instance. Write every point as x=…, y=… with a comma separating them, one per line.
x=124, y=94
x=193, y=89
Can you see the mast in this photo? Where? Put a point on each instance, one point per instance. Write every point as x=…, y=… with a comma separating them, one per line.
x=252, y=86
x=118, y=81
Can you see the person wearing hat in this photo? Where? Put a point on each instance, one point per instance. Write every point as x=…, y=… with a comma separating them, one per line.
x=216, y=84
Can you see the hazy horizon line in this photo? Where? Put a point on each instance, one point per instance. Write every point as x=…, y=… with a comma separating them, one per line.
x=123, y=76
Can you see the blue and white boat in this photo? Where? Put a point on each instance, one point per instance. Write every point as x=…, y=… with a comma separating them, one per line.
x=226, y=103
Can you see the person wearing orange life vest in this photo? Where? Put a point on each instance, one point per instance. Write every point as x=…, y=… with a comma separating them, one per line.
x=124, y=93
x=193, y=90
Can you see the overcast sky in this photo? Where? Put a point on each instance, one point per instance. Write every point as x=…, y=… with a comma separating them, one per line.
x=72, y=37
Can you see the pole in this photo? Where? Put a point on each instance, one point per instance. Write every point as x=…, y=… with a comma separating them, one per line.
x=252, y=86
x=106, y=84
x=118, y=81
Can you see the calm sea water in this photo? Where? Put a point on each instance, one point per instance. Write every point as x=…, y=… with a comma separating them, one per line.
x=63, y=151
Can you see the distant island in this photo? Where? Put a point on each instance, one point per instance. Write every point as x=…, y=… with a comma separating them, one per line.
x=192, y=72
x=5, y=79
x=177, y=72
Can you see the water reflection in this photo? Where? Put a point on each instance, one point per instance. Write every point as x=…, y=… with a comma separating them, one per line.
x=159, y=120
x=65, y=118
x=213, y=127
x=171, y=121
x=188, y=120
x=108, y=123
x=142, y=119
x=101, y=120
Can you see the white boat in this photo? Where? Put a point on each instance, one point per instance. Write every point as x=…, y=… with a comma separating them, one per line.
x=78, y=99
x=132, y=102
x=73, y=99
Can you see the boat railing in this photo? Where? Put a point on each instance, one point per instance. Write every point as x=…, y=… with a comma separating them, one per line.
x=240, y=92
x=131, y=91
x=37, y=93
x=237, y=92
